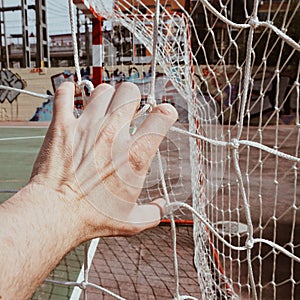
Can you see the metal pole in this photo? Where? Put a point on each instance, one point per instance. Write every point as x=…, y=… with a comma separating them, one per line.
x=97, y=51
x=1, y=48
x=42, y=45
x=26, y=45
x=39, y=46
x=5, y=38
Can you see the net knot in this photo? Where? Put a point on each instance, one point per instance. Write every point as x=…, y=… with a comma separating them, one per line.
x=234, y=144
x=83, y=285
x=253, y=22
x=151, y=101
x=250, y=243
x=284, y=29
x=86, y=84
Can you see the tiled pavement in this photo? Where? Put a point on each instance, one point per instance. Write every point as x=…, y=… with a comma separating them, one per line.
x=141, y=267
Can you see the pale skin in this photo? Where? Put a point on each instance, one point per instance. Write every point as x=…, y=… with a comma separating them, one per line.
x=84, y=184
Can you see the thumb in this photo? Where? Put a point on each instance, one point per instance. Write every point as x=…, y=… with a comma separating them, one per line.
x=147, y=215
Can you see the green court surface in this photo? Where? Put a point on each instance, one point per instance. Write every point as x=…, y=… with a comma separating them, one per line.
x=18, y=150
x=19, y=147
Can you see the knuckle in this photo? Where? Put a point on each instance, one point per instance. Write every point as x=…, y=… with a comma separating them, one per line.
x=108, y=133
x=138, y=155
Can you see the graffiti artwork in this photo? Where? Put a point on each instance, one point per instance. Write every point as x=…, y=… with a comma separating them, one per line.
x=13, y=80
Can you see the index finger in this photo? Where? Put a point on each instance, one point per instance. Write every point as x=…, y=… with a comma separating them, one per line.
x=124, y=104
x=64, y=102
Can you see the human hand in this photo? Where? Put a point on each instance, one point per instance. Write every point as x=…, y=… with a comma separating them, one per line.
x=96, y=166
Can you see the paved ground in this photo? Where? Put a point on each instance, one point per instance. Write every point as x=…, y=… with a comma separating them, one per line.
x=141, y=267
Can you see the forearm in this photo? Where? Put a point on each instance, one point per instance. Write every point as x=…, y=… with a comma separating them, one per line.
x=36, y=230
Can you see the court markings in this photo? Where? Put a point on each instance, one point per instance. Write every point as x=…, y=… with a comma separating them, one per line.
x=85, y=269
x=22, y=138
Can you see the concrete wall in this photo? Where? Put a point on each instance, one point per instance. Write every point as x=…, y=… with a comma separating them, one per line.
x=25, y=106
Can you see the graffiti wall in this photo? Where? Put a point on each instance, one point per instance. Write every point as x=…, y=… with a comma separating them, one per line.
x=12, y=80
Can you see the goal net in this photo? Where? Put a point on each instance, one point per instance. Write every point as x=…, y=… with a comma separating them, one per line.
x=232, y=69
x=231, y=162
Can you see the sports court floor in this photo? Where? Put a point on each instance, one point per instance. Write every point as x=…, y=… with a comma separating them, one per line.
x=139, y=267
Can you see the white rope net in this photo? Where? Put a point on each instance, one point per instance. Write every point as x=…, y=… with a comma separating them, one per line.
x=237, y=68
x=232, y=70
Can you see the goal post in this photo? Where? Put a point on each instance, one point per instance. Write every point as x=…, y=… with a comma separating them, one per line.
x=96, y=14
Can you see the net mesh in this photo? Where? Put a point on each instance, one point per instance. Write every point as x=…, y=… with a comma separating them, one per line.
x=237, y=68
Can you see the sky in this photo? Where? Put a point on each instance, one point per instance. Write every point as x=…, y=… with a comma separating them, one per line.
x=57, y=16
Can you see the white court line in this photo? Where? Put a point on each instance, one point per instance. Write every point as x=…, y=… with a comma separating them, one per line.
x=91, y=253
x=22, y=138
x=23, y=126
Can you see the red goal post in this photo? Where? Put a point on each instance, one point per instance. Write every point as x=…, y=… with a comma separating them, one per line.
x=93, y=12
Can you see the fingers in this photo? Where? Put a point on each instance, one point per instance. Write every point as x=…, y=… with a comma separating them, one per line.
x=99, y=101
x=124, y=104
x=149, y=136
x=64, y=102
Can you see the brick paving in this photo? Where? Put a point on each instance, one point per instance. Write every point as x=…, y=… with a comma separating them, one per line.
x=141, y=267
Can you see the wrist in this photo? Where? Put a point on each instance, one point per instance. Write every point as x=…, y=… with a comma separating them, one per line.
x=40, y=225
x=49, y=211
